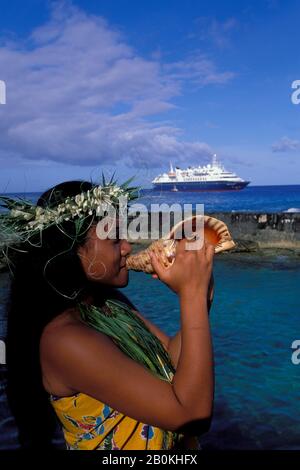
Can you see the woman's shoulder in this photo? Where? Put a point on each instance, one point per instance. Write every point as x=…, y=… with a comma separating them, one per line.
x=67, y=318
x=65, y=327
x=52, y=332
x=63, y=336
x=68, y=331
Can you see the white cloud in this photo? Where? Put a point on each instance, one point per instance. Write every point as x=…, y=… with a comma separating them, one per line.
x=78, y=94
x=286, y=145
x=218, y=32
x=199, y=71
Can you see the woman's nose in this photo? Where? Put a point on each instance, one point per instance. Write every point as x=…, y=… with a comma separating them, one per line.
x=125, y=248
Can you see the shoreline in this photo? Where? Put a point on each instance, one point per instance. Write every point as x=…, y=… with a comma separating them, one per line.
x=251, y=231
x=244, y=251
x=255, y=233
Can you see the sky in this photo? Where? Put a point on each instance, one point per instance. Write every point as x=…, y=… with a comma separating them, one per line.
x=130, y=86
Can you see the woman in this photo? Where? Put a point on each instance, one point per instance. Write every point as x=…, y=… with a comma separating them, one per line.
x=67, y=335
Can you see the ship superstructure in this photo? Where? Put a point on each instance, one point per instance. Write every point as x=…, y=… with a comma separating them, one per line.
x=211, y=177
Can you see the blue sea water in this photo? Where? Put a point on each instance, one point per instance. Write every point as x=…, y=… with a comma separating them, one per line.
x=255, y=318
x=252, y=198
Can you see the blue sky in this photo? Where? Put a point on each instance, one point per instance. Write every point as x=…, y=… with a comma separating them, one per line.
x=131, y=85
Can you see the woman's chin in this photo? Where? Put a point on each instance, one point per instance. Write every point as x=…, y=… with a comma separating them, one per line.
x=123, y=278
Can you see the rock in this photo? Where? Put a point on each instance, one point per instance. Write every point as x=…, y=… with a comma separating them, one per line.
x=245, y=246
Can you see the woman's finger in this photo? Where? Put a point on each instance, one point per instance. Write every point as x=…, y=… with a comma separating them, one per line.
x=181, y=246
x=210, y=249
x=158, y=268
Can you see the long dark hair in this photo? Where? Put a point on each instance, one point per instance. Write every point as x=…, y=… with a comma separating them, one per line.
x=47, y=279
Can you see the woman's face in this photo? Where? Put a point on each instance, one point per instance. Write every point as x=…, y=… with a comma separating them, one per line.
x=105, y=260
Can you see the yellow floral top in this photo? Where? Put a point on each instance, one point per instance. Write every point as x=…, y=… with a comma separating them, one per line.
x=89, y=424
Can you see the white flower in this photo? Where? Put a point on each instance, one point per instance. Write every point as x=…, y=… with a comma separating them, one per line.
x=97, y=191
x=99, y=200
x=39, y=211
x=78, y=199
x=17, y=213
x=99, y=210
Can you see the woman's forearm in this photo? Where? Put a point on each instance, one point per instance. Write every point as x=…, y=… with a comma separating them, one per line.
x=174, y=343
x=193, y=382
x=174, y=348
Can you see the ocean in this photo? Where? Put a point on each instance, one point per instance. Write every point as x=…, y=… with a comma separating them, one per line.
x=252, y=198
x=254, y=319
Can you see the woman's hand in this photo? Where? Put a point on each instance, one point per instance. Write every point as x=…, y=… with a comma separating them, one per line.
x=191, y=271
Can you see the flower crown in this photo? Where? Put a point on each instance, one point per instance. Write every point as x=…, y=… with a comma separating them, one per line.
x=23, y=219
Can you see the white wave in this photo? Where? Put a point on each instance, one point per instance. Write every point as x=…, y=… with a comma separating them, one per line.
x=293, y=209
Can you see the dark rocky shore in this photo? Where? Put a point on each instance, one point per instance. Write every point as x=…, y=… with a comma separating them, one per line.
x=257, y=233
x=254, y=231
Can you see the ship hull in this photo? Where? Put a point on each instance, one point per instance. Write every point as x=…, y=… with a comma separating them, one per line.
x=201, y=186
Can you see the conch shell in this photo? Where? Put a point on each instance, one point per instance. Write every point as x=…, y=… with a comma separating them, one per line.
x=215, y=232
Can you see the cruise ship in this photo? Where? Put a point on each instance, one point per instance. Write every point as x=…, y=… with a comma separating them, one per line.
x=212, y=177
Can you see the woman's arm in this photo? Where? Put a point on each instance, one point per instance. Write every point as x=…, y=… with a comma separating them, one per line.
x=174, y=344
x=171, y=344
x=174, y=348
x=191, y=278
x=196, y=353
